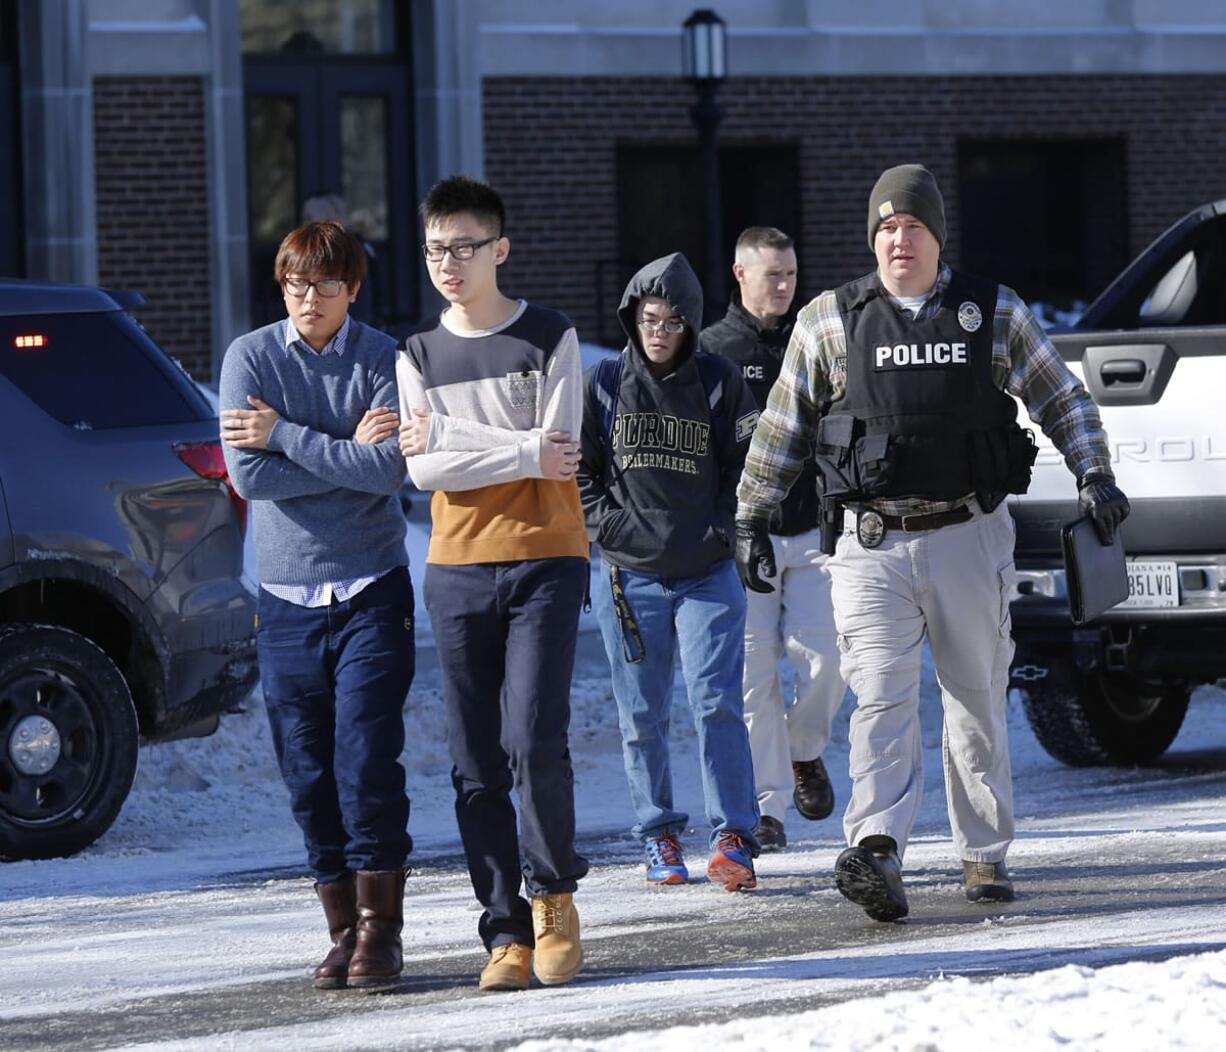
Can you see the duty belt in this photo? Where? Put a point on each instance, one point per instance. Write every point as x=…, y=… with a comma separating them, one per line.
x=871, y=525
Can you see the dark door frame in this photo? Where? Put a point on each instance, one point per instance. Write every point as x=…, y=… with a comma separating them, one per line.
x=12, y=246
x=317, y=87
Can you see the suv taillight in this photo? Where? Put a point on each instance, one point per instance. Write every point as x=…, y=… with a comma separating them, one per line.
x=207, y=461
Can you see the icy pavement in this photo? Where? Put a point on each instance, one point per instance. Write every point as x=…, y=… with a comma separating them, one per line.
x=188, y=926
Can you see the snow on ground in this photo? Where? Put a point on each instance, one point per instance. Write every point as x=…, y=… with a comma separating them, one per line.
x=1114, y=1009
x=205, y=809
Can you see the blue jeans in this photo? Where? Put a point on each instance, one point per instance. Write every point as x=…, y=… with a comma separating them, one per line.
x=505, y=634
x=704, y=619
x=335, y=680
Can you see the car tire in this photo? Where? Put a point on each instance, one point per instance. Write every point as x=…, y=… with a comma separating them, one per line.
x=68, y=742
x=1097, y=720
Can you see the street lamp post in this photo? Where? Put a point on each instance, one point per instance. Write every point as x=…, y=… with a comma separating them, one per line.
x=703, y=61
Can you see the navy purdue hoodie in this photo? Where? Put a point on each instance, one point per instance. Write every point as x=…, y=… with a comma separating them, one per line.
x=665, y=501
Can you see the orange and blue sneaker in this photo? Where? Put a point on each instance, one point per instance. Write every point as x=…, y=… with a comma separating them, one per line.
x=666, y=861
x=732, y=863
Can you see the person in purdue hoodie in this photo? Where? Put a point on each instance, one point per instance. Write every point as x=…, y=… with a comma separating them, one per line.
x=665, y=429
x=794, y=618
x=898, y=383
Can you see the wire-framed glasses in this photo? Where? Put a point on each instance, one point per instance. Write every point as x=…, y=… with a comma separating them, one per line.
x=672, y=326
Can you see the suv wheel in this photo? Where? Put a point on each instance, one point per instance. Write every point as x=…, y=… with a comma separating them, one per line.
x=68, y=742
x=1105, y=720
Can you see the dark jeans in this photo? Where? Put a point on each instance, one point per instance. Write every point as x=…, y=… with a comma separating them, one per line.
x=506, y=646
x=335, y=680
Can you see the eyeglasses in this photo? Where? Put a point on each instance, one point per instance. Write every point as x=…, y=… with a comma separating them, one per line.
x=461, y=250
x=672, y=326
x=325, y=287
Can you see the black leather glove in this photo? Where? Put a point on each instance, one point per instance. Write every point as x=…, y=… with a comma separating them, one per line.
x=754, y=555
x=1105, y=503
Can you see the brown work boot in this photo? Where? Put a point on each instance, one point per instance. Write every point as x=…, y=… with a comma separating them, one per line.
x=559, y=954
x=376, y=960
x=340, y=904
x=509, y=967
x=813, y=794
x=986, y=882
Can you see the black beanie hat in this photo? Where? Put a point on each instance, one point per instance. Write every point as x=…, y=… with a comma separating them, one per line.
x=907, y=188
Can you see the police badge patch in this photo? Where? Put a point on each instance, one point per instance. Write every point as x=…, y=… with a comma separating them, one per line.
x=870, y=528
x=970, y=317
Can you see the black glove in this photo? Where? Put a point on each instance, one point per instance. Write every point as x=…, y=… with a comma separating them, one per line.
x=1105, y=503
x=754, y=554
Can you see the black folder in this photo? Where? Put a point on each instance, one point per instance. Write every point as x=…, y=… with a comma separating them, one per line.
x=1096, y=575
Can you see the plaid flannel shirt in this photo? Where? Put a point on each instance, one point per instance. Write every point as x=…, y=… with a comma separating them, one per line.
x=1024, y=364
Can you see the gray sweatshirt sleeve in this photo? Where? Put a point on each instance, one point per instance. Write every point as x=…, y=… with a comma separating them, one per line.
x=343, y=462
x=258, y=474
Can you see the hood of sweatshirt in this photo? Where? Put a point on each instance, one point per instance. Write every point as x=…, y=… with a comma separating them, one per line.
x=673, y=279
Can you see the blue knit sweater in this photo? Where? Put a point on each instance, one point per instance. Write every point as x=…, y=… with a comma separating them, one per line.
x=324, y=507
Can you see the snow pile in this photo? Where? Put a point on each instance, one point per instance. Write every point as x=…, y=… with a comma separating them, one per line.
x=1172, y=1005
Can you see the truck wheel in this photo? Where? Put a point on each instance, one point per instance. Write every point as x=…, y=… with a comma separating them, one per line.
x=1105, y=720
x=68, y=742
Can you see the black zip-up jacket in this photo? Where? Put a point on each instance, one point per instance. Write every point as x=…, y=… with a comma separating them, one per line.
x=666, y=501
x=758, y=351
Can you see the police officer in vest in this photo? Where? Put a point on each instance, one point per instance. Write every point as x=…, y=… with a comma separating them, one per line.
x=899, y=384
x=794, y=618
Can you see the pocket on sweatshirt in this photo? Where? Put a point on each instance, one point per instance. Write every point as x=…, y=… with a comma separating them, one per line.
x=523, y=390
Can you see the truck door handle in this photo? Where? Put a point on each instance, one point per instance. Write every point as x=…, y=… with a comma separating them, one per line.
x=1123, y=371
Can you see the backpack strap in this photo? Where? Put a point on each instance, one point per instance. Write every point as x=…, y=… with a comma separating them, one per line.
x=606, y=380
x=712, y=370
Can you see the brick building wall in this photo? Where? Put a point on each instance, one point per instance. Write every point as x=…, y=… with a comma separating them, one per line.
x=551, y=142
x=153, y=209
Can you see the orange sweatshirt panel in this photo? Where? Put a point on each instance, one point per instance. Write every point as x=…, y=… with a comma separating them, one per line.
x=527, y=519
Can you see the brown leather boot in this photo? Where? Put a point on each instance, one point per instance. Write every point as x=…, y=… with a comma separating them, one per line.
x=340, y=905
x=376, y=960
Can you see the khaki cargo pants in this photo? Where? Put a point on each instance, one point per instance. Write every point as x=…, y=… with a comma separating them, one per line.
x=952, y=585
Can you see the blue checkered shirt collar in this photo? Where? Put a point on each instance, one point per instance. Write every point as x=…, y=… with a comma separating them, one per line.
x=336, y=345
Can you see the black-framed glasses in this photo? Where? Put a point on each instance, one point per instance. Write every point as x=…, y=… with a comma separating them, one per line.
x=325, y=287
x=461, y=250
x=672, y=326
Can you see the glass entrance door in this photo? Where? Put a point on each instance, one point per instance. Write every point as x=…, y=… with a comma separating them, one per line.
x=322, y=123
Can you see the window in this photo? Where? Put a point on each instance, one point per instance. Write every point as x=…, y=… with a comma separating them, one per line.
x=1193, y=291
x=317, y=27
x=96, y=371
x=1048, y=218
x=759, y=186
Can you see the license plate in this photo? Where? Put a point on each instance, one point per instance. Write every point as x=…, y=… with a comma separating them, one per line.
x=1151, y=585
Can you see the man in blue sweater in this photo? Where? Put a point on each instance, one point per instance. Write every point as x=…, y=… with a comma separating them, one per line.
x=309, y=424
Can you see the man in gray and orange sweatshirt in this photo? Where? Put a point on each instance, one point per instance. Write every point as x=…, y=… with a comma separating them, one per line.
x=491, y=405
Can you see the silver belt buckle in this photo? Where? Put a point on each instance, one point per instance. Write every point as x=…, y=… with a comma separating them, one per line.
x=870, y=528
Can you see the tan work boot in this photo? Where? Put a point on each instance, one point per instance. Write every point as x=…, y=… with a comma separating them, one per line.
x=987, y=882
x=509, y=967
x=559, y=954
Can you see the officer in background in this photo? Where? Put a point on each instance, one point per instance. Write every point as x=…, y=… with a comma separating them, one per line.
x=795, y=617
x=899, y=382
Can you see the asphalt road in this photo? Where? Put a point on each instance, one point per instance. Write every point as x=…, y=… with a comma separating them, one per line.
x=1093, y=894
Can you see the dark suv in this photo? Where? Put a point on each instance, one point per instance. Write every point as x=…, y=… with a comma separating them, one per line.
x=124, y=613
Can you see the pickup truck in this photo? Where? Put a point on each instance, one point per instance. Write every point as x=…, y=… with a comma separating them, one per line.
x=1152, y=352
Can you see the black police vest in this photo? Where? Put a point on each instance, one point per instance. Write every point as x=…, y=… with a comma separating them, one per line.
x=921, y=415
